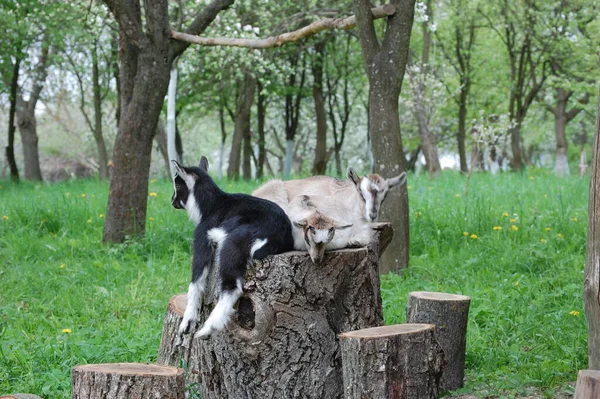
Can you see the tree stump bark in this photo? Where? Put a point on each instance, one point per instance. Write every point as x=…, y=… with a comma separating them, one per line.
x=588, y=385
x=282, y=341
x=402, y=361
x=127, y=380
x=449, y=313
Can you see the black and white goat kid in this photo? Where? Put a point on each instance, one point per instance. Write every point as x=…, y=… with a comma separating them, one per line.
x=232, y=229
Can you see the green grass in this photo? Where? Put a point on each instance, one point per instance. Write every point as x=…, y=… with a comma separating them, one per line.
x=523, y=335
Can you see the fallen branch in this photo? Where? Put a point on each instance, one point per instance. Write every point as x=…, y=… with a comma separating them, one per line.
x=276, y=41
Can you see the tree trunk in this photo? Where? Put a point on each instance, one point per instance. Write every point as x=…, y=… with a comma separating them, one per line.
x=449, y=313
x=591, y=284
x=261, y=115
x=98, y=135
x=10, y=147
x=403, y=361
x=561, y=165
x=385, y=64
x=515, y=144
x=462, y=130
x=242, y=124
x=161, y=140
x=127, y=380
x=143, y=94
x=282, y=341
x=28, y=128
x=172, y=119
x=247, y=159
x=388, y=154
x=320, y=161
x=588, y=385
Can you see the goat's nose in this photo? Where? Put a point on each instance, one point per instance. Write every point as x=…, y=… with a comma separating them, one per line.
x=373, y=216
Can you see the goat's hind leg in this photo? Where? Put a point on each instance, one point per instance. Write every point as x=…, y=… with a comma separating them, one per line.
x=232, y=258
x=202, y=261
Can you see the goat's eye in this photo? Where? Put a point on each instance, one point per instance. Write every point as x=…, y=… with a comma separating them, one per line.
x=312, y=229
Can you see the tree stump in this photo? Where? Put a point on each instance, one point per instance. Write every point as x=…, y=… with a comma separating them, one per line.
x=403, y=361
x=127, y=380
x=588, y=385
x=449, y=313
x=282, y=341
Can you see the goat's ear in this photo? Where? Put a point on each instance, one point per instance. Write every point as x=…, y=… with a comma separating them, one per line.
x=341, y=226
x=300, y=223
x=204, y=163
x=352, y=175
x=397, y=181
x=188, y=178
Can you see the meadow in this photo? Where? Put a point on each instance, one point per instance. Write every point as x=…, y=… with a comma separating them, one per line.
x=515, y=244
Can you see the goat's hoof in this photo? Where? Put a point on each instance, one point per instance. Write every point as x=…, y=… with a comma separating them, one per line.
x=185, y=327
x=204, y=334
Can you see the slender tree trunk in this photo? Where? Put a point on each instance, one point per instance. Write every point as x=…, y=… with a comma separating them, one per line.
x=242, y=124
x=98, y=134
x=223, y=137
x=591, y=284
x=561, y=165
x=172, y=118
x=10, y=147
x=261, y=114
x=247, y=159
x=462, y=128
x=320, y=160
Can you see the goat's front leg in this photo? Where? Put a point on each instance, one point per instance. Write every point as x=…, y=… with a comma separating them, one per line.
x=202, y=260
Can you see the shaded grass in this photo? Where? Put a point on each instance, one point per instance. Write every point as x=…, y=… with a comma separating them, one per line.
x=525, y=284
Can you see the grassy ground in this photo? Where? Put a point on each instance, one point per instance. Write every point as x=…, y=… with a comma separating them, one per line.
x=66, y=299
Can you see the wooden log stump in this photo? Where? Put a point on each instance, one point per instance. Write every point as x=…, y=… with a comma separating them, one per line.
x=449, y=313
x=282, y=341
x=391, y=362
x=20, y=396
x=588, y=385
x=127, y=380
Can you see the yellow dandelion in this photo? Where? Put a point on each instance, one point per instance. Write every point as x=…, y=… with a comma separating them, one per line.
x=151, y=219
x=83, y=195
x=474, y=236
x=574, y=219
x=505, y=214
x=101, y=216
x=514, y=228
x=531, y=177
x=543, y=240
x=153, y=194
x=545, y=195
x=408, y=187
x=89, y=220
x=497, y=228
x=67, y=331
x=153, y=180
x=517, y=284
x=465, y=233
x=62, y=266
x=574, y=313
x=419, y=214
x=513, y=220
x=457, y=195
x=547, y=229
x=559, y=235
x=5, y=217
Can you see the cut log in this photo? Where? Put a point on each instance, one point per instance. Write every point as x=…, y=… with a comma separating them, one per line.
x=20, y=396
x=127, y=380
x=391, y=362
x=449, y=313
x=282, y=341
x=588, y=385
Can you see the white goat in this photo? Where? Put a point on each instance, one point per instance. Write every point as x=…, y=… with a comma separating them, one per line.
x=319, y=223
x=367, y=192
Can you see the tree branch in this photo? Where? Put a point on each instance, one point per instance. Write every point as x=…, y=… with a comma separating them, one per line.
x=276, y=41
